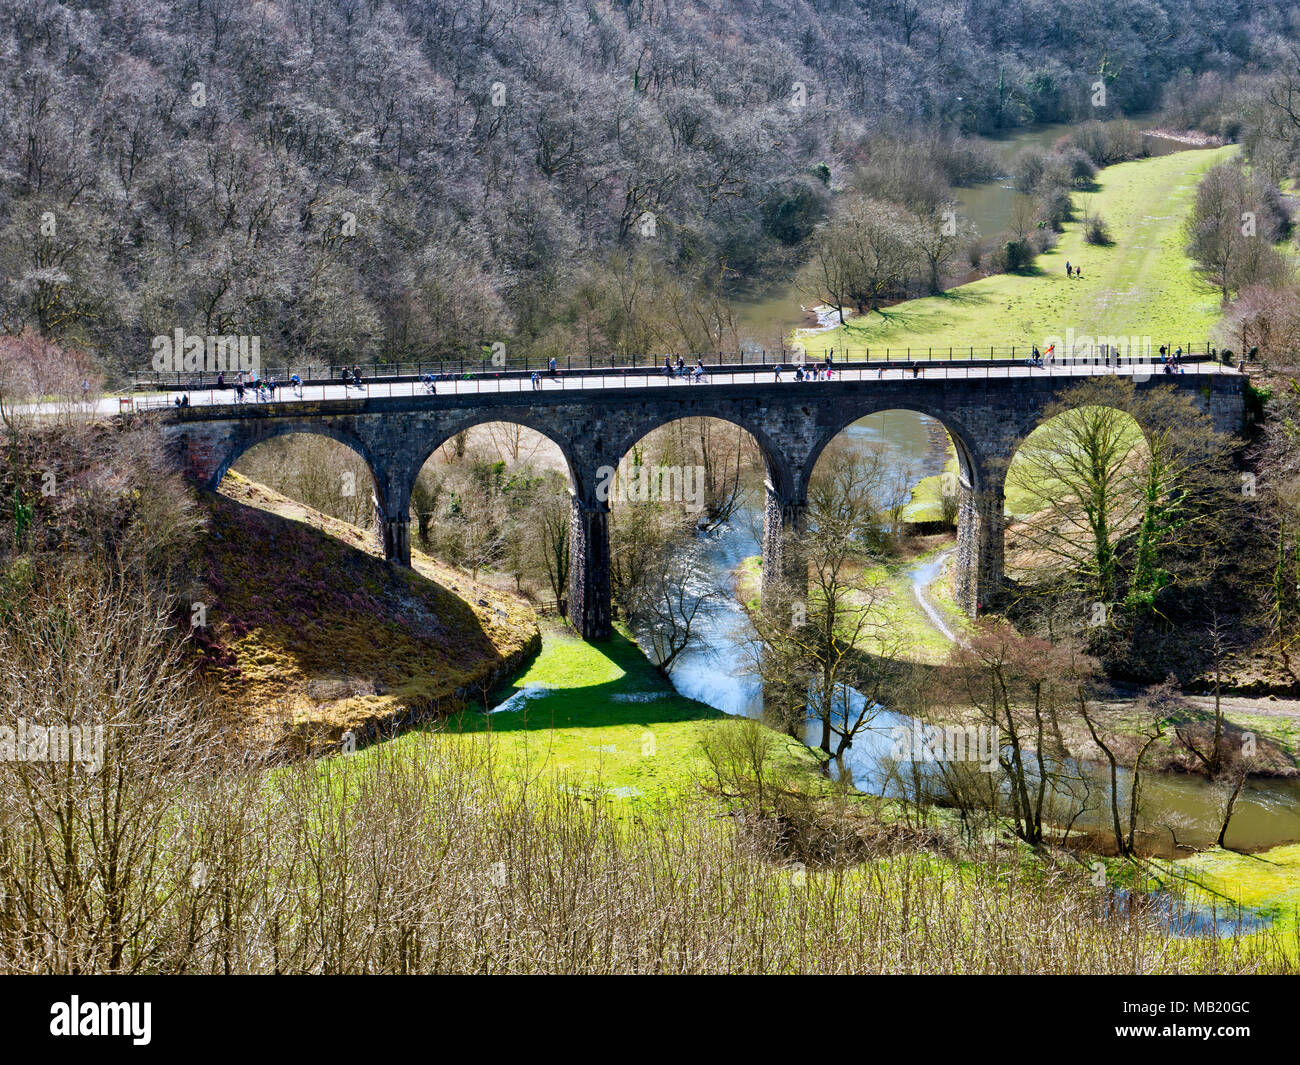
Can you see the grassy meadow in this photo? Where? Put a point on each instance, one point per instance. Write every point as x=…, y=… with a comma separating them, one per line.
x=1141, y=285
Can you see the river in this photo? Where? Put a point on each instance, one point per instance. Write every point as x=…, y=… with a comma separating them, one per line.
x=1177, y=807
x=1182, y=806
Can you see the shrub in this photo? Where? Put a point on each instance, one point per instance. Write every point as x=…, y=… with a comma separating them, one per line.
x=1078, y=167
x=1056, y=207
x=1095, y=230
x=1015, y=255
x=1043, y=239
x=1028, y=168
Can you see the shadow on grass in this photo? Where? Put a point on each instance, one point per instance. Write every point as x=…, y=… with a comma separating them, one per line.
x=572, y=702
x=915, y=316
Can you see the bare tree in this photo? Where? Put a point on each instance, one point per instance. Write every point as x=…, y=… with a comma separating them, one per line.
x=665, y=610
x=826, y=649
x=1019, y=687
x=1140, y=726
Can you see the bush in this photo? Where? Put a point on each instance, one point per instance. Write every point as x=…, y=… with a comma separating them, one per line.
x=1095, y=230
x=1078, y=167
x=1106, y=144
x=1056, y=207
x=1016, y=255
x=1043, y=239
x=1028, y=168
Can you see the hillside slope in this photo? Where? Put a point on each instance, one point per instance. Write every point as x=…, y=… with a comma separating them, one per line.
x=309, y=634
x=352, y=180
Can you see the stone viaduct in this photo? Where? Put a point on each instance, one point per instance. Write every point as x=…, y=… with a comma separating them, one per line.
x=596, y=427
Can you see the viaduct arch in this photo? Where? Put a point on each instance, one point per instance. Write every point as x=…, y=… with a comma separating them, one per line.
x=987, y=419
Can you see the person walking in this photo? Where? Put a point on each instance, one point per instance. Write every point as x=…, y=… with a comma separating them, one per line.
x=1067, y=267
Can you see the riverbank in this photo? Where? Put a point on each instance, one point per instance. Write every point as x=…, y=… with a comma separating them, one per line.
x=904, y=619
x=603, y=721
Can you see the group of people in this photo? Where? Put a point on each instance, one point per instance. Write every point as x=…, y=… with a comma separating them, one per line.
x=695, y=374
x=263, y=388
x=268, y=388
x=817, y=371
x=1075, y=271
x=1172, y=362
x=552, y=371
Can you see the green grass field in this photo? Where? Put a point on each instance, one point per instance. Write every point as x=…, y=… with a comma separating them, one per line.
x=1142, y=285
x=1266, y=883
x=600, y=714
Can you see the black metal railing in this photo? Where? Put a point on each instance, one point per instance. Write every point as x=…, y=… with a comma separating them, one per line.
x=315, y=373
